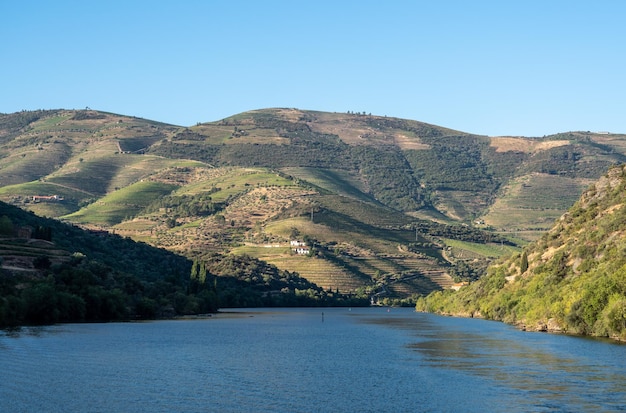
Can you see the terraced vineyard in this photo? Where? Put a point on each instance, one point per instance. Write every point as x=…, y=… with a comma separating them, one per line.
x=407, y=274
x=321, y=272
x=381, y=202
x=531, y=204
x=21, y=255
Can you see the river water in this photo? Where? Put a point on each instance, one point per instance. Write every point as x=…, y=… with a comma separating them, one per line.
x=308, y=360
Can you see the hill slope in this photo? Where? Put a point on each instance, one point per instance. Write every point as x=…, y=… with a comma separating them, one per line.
x=53, y=272
x=382, y=202
x=573, y=279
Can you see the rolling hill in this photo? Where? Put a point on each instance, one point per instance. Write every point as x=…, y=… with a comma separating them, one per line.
x=386, y=207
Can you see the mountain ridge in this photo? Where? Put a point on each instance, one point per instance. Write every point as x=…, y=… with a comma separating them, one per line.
x=434, y=197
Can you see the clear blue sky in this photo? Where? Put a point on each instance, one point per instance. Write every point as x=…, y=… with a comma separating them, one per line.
x=488, y=67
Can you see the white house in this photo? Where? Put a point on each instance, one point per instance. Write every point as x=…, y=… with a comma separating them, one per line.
x=302, y=250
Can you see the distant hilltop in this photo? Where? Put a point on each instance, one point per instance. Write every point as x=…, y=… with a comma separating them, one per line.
x=387, y=207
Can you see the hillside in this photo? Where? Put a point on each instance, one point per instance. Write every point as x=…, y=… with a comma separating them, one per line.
x=53, y=272
x=387, y=207
x=573, y=279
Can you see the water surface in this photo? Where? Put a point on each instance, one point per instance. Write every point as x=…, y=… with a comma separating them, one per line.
x=307, y=360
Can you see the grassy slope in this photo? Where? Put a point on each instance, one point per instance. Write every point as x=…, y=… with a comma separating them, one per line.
x=121, y=204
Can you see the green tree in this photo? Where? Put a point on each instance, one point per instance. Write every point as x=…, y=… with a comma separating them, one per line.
x=523, y=262
x=193, y=277
x=202, y=274
x=194, y=270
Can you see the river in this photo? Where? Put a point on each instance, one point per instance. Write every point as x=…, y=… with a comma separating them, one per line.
x=307, y=360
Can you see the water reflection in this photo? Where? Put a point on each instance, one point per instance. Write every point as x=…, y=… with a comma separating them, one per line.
x=549, y=372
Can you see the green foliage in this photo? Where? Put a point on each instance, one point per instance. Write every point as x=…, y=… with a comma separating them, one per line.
x=88, y=290
x=600, y=310
x=305, y=148
x=460, y=233
x=468, y=270
x=579, y=284
x=186, y=205
x=174, y=150
x=389, y=177
x=567, y=161
x=453, y=163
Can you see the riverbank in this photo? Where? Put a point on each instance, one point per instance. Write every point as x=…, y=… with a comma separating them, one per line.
x=550, y=326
